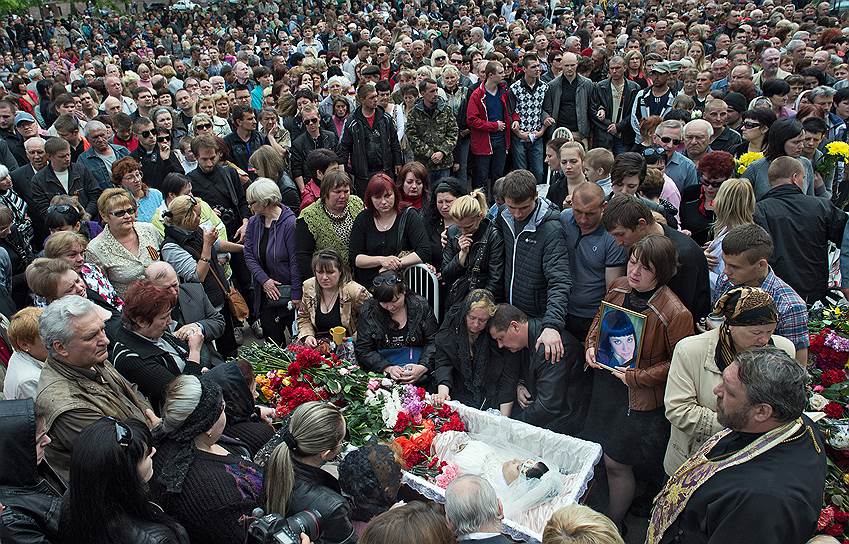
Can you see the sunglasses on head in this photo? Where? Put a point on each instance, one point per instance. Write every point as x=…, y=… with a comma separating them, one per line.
x=61, y=208
x=122, y=213
x=670, y=140
x=123, y=434
x=390, y=279
x=312, y=121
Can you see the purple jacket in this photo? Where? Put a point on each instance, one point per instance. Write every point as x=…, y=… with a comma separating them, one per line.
x=281, y=264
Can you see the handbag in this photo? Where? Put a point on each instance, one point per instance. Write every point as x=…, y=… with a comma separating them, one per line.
x=282, y=301
x=235, y=300
x=463, y=285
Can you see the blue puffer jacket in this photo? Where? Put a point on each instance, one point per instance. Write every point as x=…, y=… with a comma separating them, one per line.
x=537, y=278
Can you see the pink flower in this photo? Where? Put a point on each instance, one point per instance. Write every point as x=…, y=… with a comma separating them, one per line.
x=449, y=472
x=818, y=389
x=373, y=385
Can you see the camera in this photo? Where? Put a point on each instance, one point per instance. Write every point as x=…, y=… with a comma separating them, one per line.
x=275, y=529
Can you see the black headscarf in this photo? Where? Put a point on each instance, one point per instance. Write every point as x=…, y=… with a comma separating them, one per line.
x=176, y=447
x=237, y=394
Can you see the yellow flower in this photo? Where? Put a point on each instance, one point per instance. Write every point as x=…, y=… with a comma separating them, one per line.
x=267, y=392
x=287, y=381
x=846, y=479
x=838, y=149
x=746, y=159
x=837, y=312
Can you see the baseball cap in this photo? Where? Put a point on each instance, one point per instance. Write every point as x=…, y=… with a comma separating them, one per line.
x=23, y=116
x=663, y=67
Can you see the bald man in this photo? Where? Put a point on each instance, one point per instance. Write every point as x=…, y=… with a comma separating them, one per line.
x=115, y=89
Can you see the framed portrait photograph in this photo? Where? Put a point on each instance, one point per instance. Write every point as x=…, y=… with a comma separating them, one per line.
x=620, y=336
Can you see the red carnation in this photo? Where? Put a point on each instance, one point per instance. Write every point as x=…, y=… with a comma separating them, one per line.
x=421, y=392
x=427, y=411
x=833, y=410
x=454, y=423
x=841, y=517
x=835, y=529
x=831, y=377
x=402, y=423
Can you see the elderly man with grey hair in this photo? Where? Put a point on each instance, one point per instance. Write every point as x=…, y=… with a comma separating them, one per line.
x=697, y=136
x=768, y=463
x=474, y=511
x=115, y=89
x=101, y=154
x=78, y=386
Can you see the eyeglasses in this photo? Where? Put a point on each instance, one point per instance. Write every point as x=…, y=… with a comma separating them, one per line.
x=748, y=125
x=122, y=213
x=386, y=280
x=670, y=140
x=716, y=184
x=203, y=126
x=163, y=139
x=123, y=434
x=312, y=121
x=146, y=133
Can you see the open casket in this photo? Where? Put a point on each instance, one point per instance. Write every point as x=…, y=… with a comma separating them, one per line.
x=575, y=457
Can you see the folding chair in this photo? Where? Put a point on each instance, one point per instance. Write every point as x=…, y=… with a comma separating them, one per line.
x=422, y=281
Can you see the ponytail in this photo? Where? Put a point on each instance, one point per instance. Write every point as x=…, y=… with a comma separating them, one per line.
x=471, y=205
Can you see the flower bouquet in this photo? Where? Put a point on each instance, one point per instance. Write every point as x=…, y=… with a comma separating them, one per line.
x=835, y=152
x=746, y=159
x=829, y=353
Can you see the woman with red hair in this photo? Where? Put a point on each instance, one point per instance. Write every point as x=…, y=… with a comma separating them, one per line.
x=385, y=236
x=146, y=352
x=697, y=201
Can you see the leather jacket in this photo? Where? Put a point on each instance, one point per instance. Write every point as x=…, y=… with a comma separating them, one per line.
x=315, y=489
x=667, y=322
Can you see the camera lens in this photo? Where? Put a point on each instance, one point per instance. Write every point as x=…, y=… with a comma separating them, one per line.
x=307, y=522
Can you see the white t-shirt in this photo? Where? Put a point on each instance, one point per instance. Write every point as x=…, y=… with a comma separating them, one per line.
x=63, y=179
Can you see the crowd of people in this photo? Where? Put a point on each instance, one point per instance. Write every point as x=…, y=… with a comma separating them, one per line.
x=175, y=184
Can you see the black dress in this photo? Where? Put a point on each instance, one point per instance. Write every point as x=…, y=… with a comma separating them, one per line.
x=627, y=436
x=367, y=240
x=694, y=217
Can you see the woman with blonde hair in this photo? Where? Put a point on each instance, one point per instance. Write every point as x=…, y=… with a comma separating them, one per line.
x=697, y=53
x=579, y=524
x=733, y=206
x=207, y=105
x=677, y=50
x=473, y=256
x=294, y=480
x=71, y=246
x=635, y=68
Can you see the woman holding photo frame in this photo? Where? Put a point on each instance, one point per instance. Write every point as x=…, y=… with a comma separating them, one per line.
x=630, y=342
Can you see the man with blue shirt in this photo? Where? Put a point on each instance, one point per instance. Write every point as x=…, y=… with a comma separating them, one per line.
x=679, y=168
x=595, y=260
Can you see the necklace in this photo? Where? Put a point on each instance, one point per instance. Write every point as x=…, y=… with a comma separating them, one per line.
x=327, y=306
x=333, y=216
x=382, y=227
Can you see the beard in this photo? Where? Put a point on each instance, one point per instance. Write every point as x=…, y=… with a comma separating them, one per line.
x=733, y=420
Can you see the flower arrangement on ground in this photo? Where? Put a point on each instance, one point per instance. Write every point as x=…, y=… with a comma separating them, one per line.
x=829, y=368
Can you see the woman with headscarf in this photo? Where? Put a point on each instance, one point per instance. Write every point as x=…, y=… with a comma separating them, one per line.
x=371, y=477
x=245, y=421
x=469, y=366
x=750, y=317
x=201, y=478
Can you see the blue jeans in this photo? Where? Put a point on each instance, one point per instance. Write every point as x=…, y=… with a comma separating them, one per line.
x=436, y=175
x=529, y=156
x=489, y=168
x=618, y=146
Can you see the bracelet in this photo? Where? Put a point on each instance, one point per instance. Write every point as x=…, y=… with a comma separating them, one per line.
x=204, y=259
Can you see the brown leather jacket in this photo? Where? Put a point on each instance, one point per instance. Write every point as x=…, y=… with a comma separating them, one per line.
x=667, y=322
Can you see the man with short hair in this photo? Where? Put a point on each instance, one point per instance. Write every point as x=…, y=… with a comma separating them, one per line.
x=111, y=105
x=62, y=177
x=567, y=100
x=12, y=153
x=313, y=138
x=724, y=138
x=527, y=95
x=102, y=154
x=679, y=168
x=245, y=139
x=697, y=134
x=115, y=89
x=78, y=385
x=801, y=227
x=629, y=220
x=770, y=60
x=541, y=393
x=186, y=104
x=156, y=158
x=474, y=511
x=611, y=106
x=36, y=160
x=769, y=462
x=145, y=100
x=68, y=128
x=746, y=250
x=537, y=276
x=489, y=118
x=432, y=131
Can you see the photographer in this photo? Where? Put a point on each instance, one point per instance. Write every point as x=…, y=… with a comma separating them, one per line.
x=294, y=480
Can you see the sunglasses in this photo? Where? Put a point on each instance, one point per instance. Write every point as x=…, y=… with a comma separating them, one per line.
x=748, y=125
x=312, y=121
x=163, y=139
x=386, y=280
x=203, y=126
x=714, y=184
x=122, y=213
x=123, y=434
x=670, y=140
x=61, y=208
x=146, y=133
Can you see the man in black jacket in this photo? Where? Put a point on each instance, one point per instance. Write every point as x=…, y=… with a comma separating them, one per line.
x=62, y=177
x=610, y=109
x=541, y=393
x=245, y=140
x=537, y=278
x=156, y=158
x=801, y=227
x=313, y=138
x=369, y=140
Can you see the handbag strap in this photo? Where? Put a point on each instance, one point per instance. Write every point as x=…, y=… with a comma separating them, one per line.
x=196, y=256
x=476, y=268
x=401, y=227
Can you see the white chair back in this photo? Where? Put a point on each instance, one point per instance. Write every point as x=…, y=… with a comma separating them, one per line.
x=420, y=280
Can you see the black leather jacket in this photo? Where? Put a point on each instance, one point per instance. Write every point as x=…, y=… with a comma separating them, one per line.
x=31, y=492
x=486, y=240
x=315, y=489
